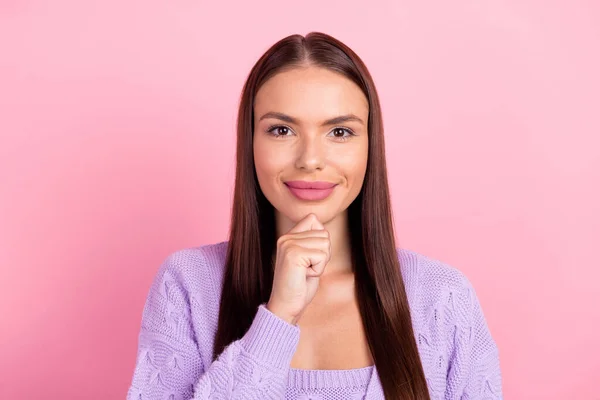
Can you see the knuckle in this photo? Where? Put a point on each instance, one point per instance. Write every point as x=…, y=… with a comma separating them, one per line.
x=319, y=271
x=292, y=249
x=286, y=243
x=283, y=241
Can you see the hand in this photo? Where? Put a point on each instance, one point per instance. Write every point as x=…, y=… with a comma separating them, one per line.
x=302, y=255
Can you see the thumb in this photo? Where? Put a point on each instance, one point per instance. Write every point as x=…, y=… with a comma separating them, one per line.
x=308, y=223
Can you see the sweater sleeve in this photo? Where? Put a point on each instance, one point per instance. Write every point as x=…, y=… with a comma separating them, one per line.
x=474, y=368
x=169, y=364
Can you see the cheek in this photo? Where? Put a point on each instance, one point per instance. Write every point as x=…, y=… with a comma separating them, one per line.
x=268, y=161
x=353, y=164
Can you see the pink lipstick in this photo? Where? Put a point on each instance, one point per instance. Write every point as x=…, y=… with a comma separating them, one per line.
x=310, y=191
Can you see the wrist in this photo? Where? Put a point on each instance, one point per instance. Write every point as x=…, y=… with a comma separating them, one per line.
x=290, y=319
x=270, y=340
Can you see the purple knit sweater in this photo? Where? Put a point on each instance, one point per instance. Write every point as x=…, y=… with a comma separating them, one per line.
x=174, y=357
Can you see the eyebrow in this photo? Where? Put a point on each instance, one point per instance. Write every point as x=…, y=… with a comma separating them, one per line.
x=332, y=121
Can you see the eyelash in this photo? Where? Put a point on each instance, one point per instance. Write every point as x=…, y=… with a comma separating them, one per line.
x=342, y=139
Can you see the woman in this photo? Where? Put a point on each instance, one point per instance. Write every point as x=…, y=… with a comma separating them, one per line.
x=310, y=298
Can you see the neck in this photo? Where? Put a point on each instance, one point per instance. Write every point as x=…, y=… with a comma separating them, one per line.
x=339, y=233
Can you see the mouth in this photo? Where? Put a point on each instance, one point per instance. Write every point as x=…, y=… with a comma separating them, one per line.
x=310, y=191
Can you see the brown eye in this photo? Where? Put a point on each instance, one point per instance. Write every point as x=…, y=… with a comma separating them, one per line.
x=279, y=131
x=339, y=132
x=282, y=130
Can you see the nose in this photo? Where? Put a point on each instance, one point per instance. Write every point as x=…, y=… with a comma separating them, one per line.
x=311, y=153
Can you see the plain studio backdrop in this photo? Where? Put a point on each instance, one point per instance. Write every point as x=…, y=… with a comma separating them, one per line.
x=117, y=128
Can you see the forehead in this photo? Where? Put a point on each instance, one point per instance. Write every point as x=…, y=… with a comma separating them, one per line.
x=311, y=94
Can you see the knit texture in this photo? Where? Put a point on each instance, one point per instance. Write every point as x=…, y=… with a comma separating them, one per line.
x=174, y=358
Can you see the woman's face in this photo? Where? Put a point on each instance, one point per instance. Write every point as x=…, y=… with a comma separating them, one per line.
x=310, y=125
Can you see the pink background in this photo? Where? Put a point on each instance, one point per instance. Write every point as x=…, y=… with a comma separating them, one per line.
x=117, y=146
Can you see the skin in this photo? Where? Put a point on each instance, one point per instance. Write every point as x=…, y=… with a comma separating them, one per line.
x=309, y=151
x=308, y=148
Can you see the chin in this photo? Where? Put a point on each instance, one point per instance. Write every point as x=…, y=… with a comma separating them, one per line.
x=295, y=214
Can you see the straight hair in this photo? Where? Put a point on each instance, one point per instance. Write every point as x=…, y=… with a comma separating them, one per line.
x=249, y=266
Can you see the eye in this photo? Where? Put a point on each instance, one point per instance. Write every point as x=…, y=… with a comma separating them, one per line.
x=279, y=131
x=342, y=133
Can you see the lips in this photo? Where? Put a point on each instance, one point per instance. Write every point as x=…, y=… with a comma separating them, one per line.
x=311, y=191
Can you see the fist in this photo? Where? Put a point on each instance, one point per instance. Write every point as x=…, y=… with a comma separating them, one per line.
x=302, y=255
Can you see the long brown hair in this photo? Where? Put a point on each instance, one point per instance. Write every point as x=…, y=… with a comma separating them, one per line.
x=249, y=265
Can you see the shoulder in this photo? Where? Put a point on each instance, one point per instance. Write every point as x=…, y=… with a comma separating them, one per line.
x=194, y=263
x=458, y=352
x=428, y=273
x=193, y=272
x=436, y=289
x=182, y=304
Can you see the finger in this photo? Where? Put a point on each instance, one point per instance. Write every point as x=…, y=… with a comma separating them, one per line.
x=310, y=242
x=319, y=233
x=316, y=269
x=310, y=222
x=303, y=250
x=315, y=261
x=317, y=224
